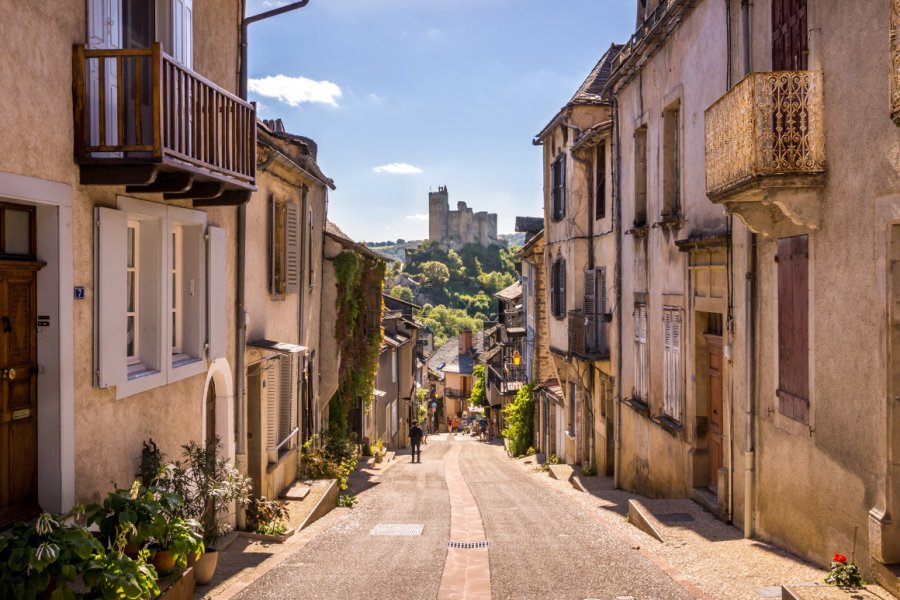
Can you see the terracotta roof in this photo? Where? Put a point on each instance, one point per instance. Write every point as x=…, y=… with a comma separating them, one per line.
x=335, y=232
x=487, y=355
x=552, y=387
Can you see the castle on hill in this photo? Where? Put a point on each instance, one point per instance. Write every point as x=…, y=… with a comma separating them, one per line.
x=456, y=228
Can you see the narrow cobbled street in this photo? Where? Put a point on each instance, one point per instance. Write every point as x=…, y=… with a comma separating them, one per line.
x=539, y=544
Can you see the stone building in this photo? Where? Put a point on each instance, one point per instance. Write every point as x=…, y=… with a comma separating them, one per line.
x=456, y=228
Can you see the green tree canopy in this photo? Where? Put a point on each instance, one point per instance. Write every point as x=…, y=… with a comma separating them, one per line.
x=401, y=292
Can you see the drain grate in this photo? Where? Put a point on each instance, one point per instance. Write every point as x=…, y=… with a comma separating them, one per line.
x=397, y=529
x=467, y=545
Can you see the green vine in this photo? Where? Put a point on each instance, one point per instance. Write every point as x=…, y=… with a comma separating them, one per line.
x=478, y=397
x=360, y=281
x=520, y=422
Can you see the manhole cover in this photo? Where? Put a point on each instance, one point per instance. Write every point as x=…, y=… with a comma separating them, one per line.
x=467, y=545
x=393, y=529
x=675, y=517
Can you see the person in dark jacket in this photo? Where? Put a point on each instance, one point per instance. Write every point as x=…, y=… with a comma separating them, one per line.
x=415, y=440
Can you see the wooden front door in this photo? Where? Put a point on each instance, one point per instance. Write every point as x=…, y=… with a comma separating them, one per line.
x=18, y=390
x=789, y=37
x=715, y=390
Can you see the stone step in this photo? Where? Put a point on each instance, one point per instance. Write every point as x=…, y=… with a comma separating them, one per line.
x=298, y=491
x=561, y=472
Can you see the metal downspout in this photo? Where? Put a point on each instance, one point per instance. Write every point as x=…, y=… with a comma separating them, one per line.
x=240, y=271
x=617, y=227
x=729, y=318
x=750, y=453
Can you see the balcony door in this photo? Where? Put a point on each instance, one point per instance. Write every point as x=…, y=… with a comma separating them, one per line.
x=789, y=38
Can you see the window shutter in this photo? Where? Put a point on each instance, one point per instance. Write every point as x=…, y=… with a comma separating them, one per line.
x=216, y=305
x=554, y=268
x=562, y=287
x=286, y=413
x=271, y=379
x=276, y=247
x=554, y=189
x=793, y=327
x=110, y=343
x=292, y=248
x=590, y=293
x=562, y=185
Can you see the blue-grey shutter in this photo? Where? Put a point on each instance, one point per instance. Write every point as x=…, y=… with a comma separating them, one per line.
x=110, y=343
x=216, y=305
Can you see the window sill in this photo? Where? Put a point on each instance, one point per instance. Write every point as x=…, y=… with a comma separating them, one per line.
x=179, y=360
x=638, y=231
x=668, y=424
x=139, y=370
x=638, y=406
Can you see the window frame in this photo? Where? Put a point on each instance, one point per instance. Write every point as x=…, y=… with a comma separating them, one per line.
x=641, y=172
x=672, y=163
x=133, y=359
x=600, y=171
x=176, y=293
x=558, y=187
x=641, y=389
x=558, y=287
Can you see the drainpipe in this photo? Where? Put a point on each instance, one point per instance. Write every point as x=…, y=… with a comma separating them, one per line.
x=729, y=317
x=590, y=235
x=751, y=303
x=617, y=227
x=240, y=301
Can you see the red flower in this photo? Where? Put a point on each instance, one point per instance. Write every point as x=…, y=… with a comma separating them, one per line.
x=840, y=558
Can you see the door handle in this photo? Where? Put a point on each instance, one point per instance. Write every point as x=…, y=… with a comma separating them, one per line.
x=9, y=374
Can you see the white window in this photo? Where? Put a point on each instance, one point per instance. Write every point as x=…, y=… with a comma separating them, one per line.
x=132, y=309
x=280, y=383
x=393, y=366
x=151, y=291
x=641, y=380
x=672, y=362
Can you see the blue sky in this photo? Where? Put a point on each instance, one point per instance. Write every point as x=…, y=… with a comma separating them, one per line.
x=405, y=95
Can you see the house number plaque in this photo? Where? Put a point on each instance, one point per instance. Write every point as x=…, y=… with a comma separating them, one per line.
x=21, y=414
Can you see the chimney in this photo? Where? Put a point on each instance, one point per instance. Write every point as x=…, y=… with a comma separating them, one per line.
x=465, y=342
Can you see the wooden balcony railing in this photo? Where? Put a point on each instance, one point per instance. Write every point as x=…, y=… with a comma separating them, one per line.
x=458, y=394
x=895, y=62
x=769, y=124
x=139, y=106
x=587, y=334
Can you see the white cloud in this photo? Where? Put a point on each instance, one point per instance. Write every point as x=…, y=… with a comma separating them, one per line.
x=397, y=169
x=419, y=217
x=296, y=90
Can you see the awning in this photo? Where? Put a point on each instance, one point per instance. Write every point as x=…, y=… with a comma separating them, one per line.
x=379, y=394
x=261, y=349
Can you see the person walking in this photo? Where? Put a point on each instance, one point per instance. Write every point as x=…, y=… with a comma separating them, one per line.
x=415, y=440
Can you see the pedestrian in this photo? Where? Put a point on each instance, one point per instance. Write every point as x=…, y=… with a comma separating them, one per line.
x=415, y=440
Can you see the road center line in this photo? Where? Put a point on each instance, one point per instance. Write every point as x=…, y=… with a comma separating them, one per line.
x=467, y=572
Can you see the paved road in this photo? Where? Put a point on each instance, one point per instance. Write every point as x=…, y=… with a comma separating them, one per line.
x=541, y=545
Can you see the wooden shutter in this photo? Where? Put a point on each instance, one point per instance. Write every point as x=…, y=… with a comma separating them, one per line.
x=292, y=248
x=270, y=381
x=600, y=308
x=286, y=396
x=672, y=362
x=562, y=287
x=640, y=351
x=789, y=35
x=590, y=310
x=562, y=185
x=600, y=197
x=216, y=282
x=554, y=274
x=793, y=327
x=110, y=344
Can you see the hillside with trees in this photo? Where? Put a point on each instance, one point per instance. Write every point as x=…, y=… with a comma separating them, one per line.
x=455, y=288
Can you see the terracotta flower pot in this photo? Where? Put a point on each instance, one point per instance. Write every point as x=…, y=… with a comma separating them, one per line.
x=205, y=567
x=164, y=561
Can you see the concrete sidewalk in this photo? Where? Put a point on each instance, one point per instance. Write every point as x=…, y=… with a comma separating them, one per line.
x=697, y=549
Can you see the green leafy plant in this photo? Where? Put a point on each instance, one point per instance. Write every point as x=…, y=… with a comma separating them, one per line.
x=34, y=557
x=553, y=460
x=267, y=516
x=589, y=470
x=519, y=414
x=346, y=500
x=208, y=484
x=127, y=516
x=178, y=536
x=115, y=576
x=478, y=397
x=531, y=451
x=333, y=460
x=366, y=449
x=842, y=574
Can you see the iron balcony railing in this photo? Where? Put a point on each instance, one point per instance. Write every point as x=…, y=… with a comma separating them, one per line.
x=141, y=106
x=587, y=334
x=769, y=124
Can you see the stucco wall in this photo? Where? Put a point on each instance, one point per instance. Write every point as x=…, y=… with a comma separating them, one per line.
x=37, y=125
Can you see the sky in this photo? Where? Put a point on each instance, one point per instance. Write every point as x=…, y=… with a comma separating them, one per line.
x=403, y=96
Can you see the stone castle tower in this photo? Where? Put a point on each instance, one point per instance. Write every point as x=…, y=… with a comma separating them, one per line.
x=455, y=228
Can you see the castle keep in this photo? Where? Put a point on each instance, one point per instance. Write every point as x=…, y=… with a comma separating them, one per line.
x=455, y=228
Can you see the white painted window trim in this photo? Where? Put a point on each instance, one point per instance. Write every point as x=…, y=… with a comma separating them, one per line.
x=134, y=359
x=641, y=355
x=176, y=292
x=673, y=330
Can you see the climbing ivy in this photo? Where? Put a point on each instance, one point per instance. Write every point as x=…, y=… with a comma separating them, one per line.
x=478, y=397
x=520, y=422
x=358, y=333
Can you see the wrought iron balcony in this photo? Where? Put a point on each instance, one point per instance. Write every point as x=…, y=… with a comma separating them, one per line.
x=765, y=145
x=587, y=335
x=145, y=121
x=895, y=62
x=457, y=394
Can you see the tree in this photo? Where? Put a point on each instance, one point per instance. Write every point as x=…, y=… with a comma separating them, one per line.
x=519, y=430
x=401, y=292
x=495, y=281
x=435, y=273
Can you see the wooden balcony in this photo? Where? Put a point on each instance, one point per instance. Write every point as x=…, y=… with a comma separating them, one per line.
x=587, y=336
x=765, y=149
x=144, y=121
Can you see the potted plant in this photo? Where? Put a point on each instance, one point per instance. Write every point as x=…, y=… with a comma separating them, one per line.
x=209, y=486
x=46, y=555
x=267, y=517
x=175, y=540
x=114, y=575
x=126, y=515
